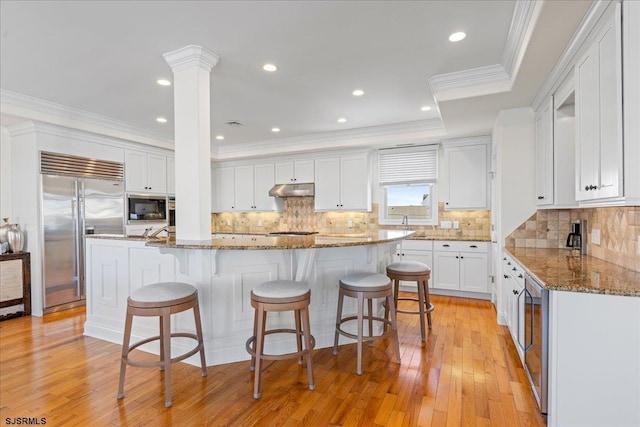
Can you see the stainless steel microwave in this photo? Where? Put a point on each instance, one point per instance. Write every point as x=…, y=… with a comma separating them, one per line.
x=143, y=208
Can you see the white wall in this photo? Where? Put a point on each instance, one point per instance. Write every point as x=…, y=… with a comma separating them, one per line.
x=513, y=144
x=5, y=174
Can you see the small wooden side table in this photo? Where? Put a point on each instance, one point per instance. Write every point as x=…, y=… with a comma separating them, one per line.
x=15, y=285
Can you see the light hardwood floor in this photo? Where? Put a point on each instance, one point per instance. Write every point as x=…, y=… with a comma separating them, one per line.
x=467, y=374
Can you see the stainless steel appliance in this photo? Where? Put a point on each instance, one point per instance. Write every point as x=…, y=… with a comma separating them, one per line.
x=575, y=239
x=293, y=190
x=146, y=209
x=171, y=213
x=79, y=196
x=536, y=333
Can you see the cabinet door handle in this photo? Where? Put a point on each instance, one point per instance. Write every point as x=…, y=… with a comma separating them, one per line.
x=586, y=188
x=473, y=246
x=514, y=292
x=461, y=257
x=514, y=269
x=504, y=259
x=520, y=276
x=509, y=263
x=445, y=246
x=540, y=197
x=505, y=276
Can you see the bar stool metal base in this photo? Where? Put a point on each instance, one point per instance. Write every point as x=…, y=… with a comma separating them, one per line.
x=273, y=296
x=163, y=308
x=413, y=272
x=366, y=286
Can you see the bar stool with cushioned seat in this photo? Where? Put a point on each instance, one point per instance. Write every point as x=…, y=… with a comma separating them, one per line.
x=415, y=272
x=366, y=286
x=280, y=295
x=161, y=299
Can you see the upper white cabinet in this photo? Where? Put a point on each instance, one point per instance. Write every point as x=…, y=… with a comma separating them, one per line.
x=223, y=197
x=252, y=185
x=598, y=103
x=298, y=171
x=145, y=172
x=544, y=154
x=244, y=188
x=171, y=175
x=467, y=171
x=343, y=183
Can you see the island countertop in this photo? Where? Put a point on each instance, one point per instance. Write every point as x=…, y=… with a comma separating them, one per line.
x=567, y=270
x=272, y=242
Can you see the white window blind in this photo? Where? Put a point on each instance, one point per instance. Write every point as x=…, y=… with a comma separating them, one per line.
x=408, y=165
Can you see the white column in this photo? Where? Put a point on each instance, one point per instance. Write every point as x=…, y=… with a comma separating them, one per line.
x=191, y=67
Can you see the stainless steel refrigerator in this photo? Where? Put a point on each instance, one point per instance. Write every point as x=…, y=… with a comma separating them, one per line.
x=71, y=208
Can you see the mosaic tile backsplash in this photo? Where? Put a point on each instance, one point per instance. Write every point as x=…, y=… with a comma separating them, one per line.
x=299, y=215
x=619, y=230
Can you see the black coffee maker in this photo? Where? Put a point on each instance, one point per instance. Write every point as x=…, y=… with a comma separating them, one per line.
x=575, y=238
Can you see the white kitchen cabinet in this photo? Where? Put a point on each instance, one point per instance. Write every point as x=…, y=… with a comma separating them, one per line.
x=298, y=171
x=171, y=175
x=461, y=266
x=343, y=183
x=544, y=154
x=223, y=197
x=467, y=171
x=598, y=103
x=513, y=282
x=145, y=172
x=245, y=188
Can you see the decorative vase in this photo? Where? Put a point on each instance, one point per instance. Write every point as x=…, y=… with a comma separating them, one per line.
x=4, y=229
x=15, y=237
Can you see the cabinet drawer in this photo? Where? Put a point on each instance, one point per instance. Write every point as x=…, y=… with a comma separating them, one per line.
x=460, y=246
x=418, y=245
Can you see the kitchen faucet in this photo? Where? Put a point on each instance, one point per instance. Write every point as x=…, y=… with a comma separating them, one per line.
x=405, y=222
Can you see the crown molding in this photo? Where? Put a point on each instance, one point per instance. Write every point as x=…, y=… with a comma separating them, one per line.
x=524, y=17
x=467, y=140
x=191, y=56
x=30, y=126
x=40, y=110
x=495, y=78
x=568, y=58
x=408, y=132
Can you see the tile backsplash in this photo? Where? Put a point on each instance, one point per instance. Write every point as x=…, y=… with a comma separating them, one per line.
x=299, y=214
x=619, y=230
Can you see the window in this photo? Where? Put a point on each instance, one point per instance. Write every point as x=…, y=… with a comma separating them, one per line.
x=408, y=185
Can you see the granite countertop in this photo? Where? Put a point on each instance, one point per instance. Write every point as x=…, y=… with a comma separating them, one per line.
x=567, y=270
x=271, y=242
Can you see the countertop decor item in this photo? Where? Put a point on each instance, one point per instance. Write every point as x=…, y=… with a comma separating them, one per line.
x=4, y=228
x=15, y=237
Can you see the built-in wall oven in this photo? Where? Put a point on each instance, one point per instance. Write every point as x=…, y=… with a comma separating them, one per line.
x=143, y=209
x=536, y=334
x=171, y=212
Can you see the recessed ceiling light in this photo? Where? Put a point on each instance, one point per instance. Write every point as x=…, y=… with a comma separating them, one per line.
x=358, y=92
x=269, y=67
x=425, y=108
x=275, y=129
x=342, y=120
x=161, y=120
x=219, y=137
x=164, y=82
x=456, y=37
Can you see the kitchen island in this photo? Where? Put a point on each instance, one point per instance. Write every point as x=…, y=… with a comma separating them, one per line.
x=225, y=271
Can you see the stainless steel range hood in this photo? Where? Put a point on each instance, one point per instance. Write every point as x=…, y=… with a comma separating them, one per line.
x=293, y=190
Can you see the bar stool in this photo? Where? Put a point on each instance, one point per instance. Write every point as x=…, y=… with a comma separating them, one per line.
x=280, y=295
x=162, y=300
x=366, y=286
x=416, y=272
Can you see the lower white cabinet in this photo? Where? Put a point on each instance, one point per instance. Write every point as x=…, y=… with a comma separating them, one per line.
x=461, y=266
x=513, y=280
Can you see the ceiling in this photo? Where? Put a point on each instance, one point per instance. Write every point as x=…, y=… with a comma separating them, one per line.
x=103, y=58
